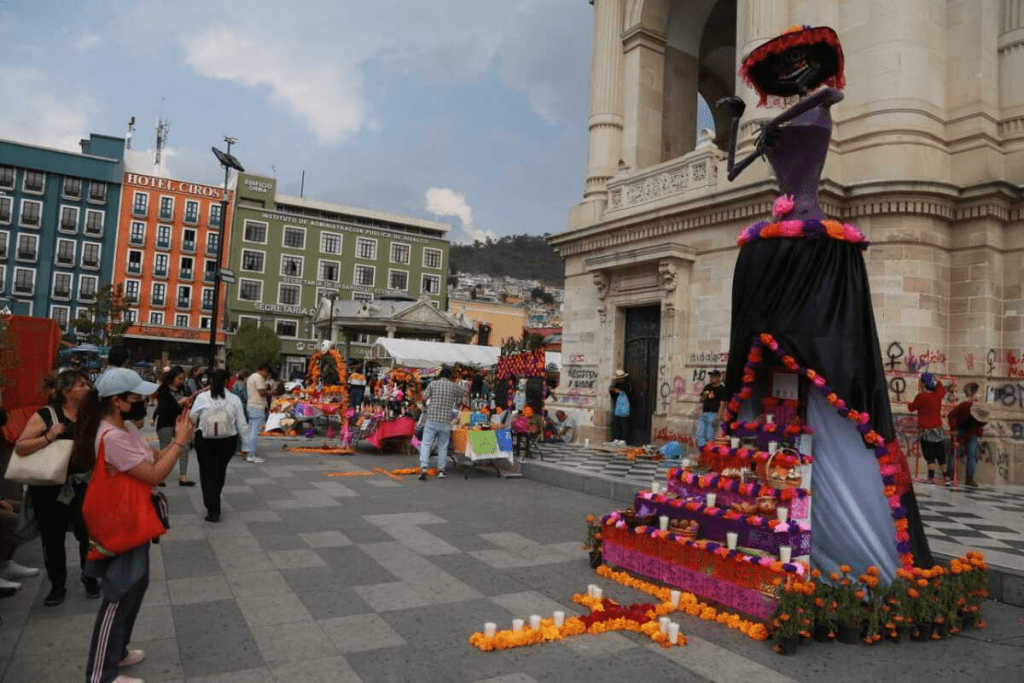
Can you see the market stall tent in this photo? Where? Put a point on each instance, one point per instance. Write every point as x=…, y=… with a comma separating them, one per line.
x=411, y=353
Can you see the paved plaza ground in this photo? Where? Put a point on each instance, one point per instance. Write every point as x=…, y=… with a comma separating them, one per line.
x=316, y=578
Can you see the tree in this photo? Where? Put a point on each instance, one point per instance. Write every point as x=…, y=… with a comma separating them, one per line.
x=252, y=346
x=106, y=320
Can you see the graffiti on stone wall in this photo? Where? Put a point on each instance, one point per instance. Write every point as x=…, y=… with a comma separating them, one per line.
x=580, y=383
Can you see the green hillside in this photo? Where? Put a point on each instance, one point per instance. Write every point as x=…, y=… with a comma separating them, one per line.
x=527, y=257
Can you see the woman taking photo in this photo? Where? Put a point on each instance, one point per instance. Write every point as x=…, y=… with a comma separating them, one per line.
x=171, y=400
x=221, y=418
x=124, y=578
x=57, y=506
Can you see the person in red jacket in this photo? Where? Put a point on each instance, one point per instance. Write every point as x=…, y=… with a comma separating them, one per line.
x=968, y=420
x=928, y=406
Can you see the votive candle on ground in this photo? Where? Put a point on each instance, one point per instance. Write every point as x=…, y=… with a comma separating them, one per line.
x=655, y=487
x=785, y=553
x=769, y=418
x=782, y=514
x=734, y=442
x=490, y=628
x=598, y=593
x=590, y=590
x=731, y=537
x=534, y=621
x=517, y=625
x=710, y=499
x=559, y=618
x=663, y=522
x=673, y=633
x=663, y=623
x=773, y=446
x=673, y=597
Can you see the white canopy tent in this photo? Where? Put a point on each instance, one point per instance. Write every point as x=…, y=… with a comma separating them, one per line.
x=411, y=353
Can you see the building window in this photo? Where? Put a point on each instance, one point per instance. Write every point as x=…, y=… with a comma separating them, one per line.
x=204, y=322
x=209, y=270
x=135, y=262
x=94, y=223
x=362, y=296
x=33, y=181
x=431, y=258
x=250, y=290
x=248, y=320
x=31, y=212
x=3, y=279
x=72, y=188
x=191, y=212
x=65, y=252
x=91, y=255
x=97, y=192
x=181, y=321
x=156, y=318
x=252, y=261
x=140, y=204
x=330, y=271
x=160, y=265
x=131, y=291
x=207, y=299
x=131, y=315
x=61, y=286
x=366, y=248
x=5, y=210
x=400, y=253
x=184, y=296
x=364, y=276
x=211, y=242
x=215, y=215
x=291, y=265
x=185, y=268
x=61, y=314
x=68, y=219
x=7, y=177
x=188, y=240
x=167, y=208
x=288, y=295
x=24, y=280
x=163, y=237
x=431, y=284
x=158, y=294
x=137, y=235
x=28, y=248
x=87, y=287
x=294, y=238
x=330, y=243
x=398, y=279
x=255, y=232
x=4, y=237
x=287, y=328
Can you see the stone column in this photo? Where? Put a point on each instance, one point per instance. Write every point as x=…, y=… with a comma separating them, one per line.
x=1011, y=88
x=643, y=78
x=604, y=142
x=757, y=21
x=391, y=329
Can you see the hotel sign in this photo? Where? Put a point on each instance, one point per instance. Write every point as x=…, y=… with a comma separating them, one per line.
x=196, y=189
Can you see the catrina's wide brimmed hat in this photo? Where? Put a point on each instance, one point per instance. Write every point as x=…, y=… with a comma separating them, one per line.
x=821, y=40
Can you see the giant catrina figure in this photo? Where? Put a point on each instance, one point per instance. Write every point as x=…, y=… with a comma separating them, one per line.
x=801, y=303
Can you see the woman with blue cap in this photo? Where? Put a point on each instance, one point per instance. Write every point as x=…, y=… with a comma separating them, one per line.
x=928, y=406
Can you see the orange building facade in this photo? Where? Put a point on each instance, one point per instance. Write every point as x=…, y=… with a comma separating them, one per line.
x=166, y=256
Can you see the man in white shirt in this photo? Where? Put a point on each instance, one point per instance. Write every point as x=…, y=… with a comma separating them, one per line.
x=565, y=426
x=258, y=388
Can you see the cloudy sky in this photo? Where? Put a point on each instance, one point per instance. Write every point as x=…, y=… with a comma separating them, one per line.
x=473, y=111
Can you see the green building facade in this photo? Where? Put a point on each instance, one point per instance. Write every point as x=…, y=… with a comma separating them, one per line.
x=287, y=253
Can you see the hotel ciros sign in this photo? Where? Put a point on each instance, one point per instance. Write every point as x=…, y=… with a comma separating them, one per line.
x=196, y=189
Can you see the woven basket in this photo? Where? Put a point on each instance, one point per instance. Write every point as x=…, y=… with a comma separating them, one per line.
x=779, y=478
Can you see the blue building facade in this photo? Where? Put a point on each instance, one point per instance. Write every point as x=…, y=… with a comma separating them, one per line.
x=58, y=225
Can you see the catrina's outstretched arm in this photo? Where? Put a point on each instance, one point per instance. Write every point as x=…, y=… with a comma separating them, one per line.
x=823, y=97
x=737, y=107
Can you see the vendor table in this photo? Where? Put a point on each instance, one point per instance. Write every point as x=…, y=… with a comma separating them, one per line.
x=398, y=428
x=483, y=447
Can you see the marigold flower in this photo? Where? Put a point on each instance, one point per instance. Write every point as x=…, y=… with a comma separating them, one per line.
x=844, y=568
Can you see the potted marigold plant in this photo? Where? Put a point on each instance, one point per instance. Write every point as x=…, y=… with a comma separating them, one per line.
x=872, y=595
x=849, y=599
x=794, y=614
x=974, y=583
x=824, y=609
x=897, y=606
x=592, y=544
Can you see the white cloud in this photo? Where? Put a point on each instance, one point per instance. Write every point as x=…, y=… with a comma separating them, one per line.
x=442, y=201
x=40, y=117
x=86, y=42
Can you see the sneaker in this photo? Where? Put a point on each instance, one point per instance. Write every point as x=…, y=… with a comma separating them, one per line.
x=9, y=586
x=255, y=459
x=92, y=586
x=423, y=475
x=441, y=474
x=11, y=570
x=971, y=482
x=55, y=596
x=128, y=679
x=212, y=518
x=133, y=658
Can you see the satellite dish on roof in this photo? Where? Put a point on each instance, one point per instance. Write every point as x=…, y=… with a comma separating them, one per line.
x=227, y=159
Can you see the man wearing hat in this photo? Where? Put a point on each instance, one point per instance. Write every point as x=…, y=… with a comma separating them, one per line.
x=968, y=420
x=928, y=406
x=622, y=396
x=713, y=405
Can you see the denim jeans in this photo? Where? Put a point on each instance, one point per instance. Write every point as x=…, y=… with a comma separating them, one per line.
x=970, y=447
x=705, y=428
x=441, y=431
x=257, y=417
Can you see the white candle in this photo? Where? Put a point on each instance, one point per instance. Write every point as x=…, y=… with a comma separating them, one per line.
x=590, y=590
x=782, y=513
x=663, y=522
x=586, y=443
x=686, y=462
x=785, y=553
x=731, y=537
x=535, y=621
x=663, y=623
x=517, y=625
x=734, y=442
x=673, y=633
x=773, y=446
x=673, y=597
x=769, y=418
x=710, y=499
x=490, y=628
x=559, y=618
x=598, y=593
x=655, y=487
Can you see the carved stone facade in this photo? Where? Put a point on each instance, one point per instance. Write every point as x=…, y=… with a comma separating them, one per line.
x=926, y=160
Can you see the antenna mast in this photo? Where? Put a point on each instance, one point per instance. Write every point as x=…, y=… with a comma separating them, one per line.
x=163, y=127
x=129, y=134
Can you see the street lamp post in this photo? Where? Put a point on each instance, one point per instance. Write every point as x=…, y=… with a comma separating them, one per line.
x=228, y=162
x=330, y=324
